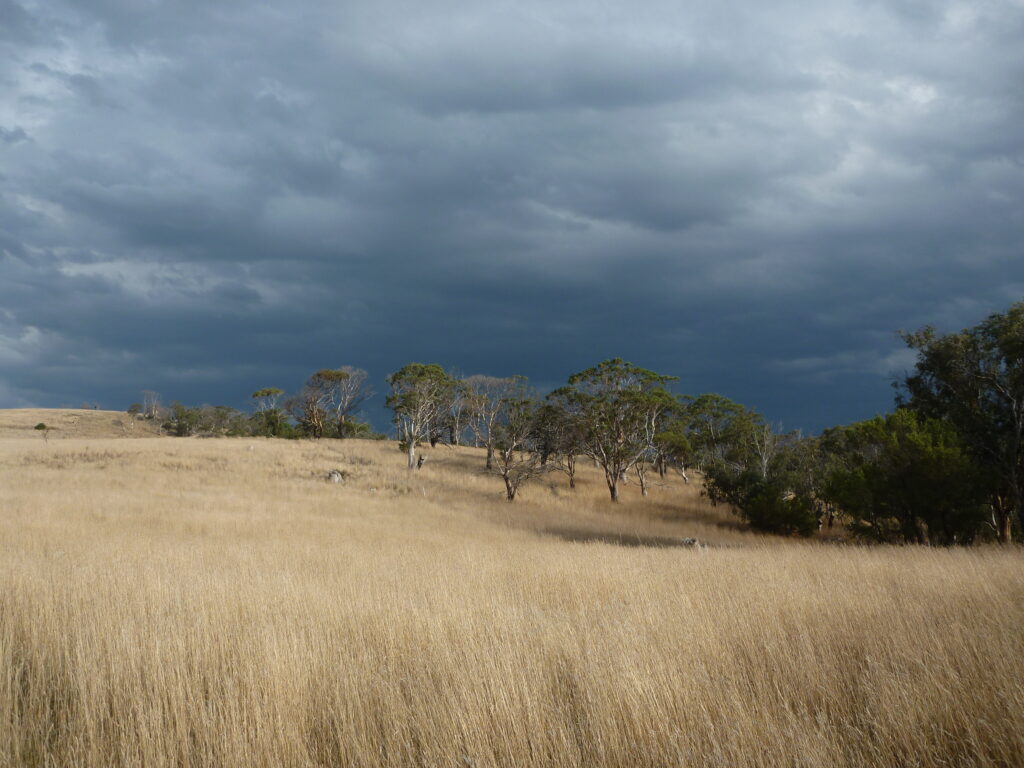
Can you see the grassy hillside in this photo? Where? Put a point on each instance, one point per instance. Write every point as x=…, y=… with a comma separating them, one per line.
x=66, y=423
x=216, y=602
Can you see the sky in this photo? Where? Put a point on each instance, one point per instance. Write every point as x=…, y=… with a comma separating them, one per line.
x=206, y=198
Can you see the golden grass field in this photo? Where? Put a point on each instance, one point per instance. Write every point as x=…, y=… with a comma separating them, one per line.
x=191, y=602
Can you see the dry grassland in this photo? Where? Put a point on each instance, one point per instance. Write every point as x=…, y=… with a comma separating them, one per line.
x=173, y=602
x=72, y=423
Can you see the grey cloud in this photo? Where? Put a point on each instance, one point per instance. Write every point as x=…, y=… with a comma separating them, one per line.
x=204, y=198
x=16, y=24
x=13, y=135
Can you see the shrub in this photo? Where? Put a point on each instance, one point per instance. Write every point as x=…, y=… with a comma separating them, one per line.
x=771, y=509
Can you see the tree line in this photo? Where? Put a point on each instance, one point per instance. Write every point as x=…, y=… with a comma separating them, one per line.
x=945, y=467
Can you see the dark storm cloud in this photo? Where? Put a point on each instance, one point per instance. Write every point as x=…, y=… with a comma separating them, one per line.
x=205, y=198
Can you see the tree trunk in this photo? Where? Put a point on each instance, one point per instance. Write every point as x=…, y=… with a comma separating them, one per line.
x=412, y=453
x=923, y=534
x=642, y=475
x=510, y=490
x=613, y=484
x=1005, y=532
x=570, y=468
x=1002, y=518
x=490, y=456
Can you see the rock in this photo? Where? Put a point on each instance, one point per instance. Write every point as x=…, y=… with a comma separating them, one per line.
x=336, y=476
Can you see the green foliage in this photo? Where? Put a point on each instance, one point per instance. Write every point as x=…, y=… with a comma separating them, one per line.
x=330, y=375
x=420, y=396
x=417, y=387
x=210, y=420
x=40, y=426
x=974, y=380
x=767, y=504
x=266, y=399
x=619, y=407
x=764, y=476
x=772, y=507
x=271, y=422
x=720, y=432
x=517, y=455
x=674, y=444
x=357, y=430
x=905, y=478
x=312, y=407
x=184, y=421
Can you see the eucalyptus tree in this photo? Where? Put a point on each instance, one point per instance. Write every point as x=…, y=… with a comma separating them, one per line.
x=620, y=407
x=317, y=401
x=485, y=400
x=559, y=433
x=151, y=407
x=418, y=398
x=517, y=457
x=734, y=447
x=673, y=444
x=348, y=390
x=268, y=420
x=906, y=477
x=974, y=379
x=457, y=413
x=738, y=453
x=266, y=399
x=720, y=431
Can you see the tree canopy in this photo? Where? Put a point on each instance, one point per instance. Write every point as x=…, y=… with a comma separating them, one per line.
x=620, y=407
x=974, y=380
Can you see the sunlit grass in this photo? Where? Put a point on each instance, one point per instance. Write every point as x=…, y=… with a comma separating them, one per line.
x=216, y=602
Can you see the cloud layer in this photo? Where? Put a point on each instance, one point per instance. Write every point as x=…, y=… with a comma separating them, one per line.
x=207, y=198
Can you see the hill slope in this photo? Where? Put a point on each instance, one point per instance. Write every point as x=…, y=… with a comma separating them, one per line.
x=72, y=423
x=170, y=602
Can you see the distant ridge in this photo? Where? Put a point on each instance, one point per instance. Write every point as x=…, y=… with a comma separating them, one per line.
x=67, y=423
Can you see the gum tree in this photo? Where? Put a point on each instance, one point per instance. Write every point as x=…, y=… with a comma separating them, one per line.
x=268, y=419
x=348, y=392
x=516, y=454
x=974, y=380
x=419, y=395
x=620, y=407
x=317, y=400
x=485, y=400
x=905, y=477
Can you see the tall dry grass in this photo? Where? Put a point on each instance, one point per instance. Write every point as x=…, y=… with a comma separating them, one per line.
x=214, y=602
